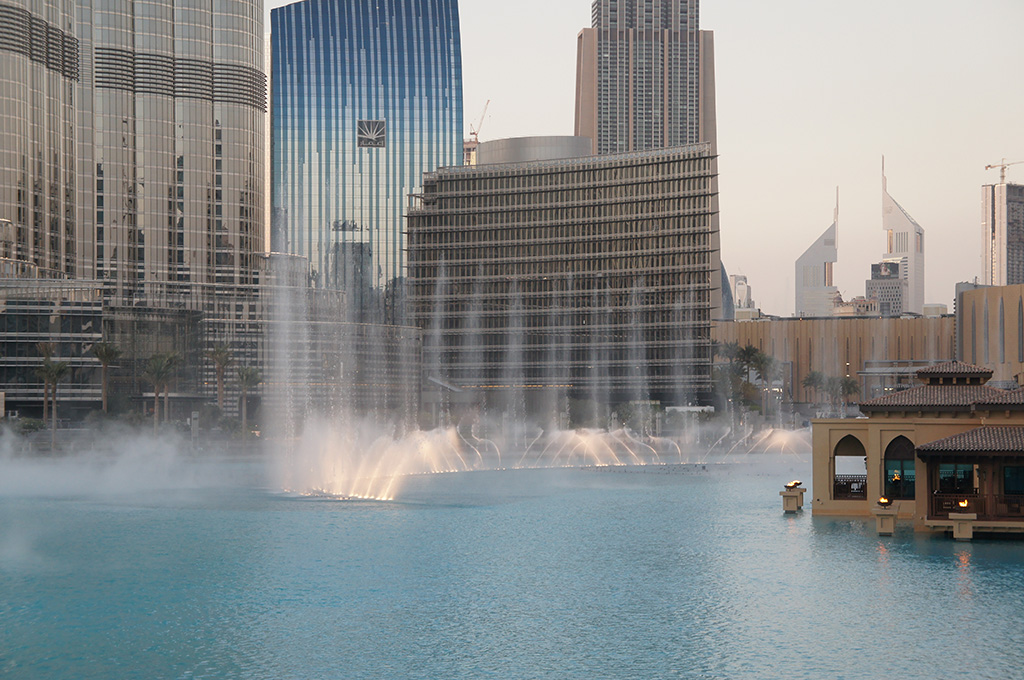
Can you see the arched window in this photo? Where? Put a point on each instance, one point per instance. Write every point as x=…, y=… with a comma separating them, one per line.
x=899, y=469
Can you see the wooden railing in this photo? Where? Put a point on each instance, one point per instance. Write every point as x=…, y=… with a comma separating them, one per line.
x=944, y=503
x=850, y=487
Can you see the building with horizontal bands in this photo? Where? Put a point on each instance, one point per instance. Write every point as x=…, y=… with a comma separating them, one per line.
x=595, y=277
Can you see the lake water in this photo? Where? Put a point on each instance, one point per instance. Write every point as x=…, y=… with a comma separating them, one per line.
x=204, y=570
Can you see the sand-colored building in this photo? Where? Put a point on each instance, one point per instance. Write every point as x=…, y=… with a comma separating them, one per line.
x=990, y=329
x=949, y=450
x=884, y=353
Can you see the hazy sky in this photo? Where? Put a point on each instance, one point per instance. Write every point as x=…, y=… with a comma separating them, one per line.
x=811, y=94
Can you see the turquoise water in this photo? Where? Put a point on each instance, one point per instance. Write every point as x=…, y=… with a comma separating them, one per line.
x=514, y=574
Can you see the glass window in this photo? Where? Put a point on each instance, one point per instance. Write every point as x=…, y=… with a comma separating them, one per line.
x=899, y=469
x=956, y=478
x=1013, y=480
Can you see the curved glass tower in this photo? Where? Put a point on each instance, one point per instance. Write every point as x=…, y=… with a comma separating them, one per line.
x=172, y=106
x=39, y=71
x=366, y=96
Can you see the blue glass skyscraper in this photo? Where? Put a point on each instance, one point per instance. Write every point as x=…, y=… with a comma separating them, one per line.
x=366, y=96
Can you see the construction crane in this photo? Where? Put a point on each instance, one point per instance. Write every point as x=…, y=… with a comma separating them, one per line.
x=1002, y=168
x=474, y=132
x=469, y=145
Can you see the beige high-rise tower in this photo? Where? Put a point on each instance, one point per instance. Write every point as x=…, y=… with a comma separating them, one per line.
x=645, y=76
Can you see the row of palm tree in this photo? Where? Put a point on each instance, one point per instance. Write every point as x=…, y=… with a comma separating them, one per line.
x=744, y=361
x=838, y=389
x=160, y=371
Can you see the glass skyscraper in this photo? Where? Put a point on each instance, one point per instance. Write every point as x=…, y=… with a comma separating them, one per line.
x=366, y=96
x=171, y=127
x=39, y=71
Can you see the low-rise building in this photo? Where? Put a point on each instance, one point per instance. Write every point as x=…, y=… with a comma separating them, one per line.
x=948, y=450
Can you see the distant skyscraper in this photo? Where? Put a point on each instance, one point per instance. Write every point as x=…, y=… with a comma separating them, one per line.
x=887, y=287
x=815, y=292
x=645, y=76
x=905, y=244
x=1002, y=223
x=39, y=69
x=366, y=96
x=172, y=101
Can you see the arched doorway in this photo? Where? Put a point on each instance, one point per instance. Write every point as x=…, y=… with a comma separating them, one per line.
x=900, y=469
x=850, y=482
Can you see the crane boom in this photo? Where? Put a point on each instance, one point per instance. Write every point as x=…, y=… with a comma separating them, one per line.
x=474, y=132
x=1002, y=168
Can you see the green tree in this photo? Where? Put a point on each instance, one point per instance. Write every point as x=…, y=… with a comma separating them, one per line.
x=46, y=350
x=747, y=358
x=248, y=378
x=173, y=360
x=221, y=358
x=53, y=372
x=107, y=353
x=158, y=371
x=848, y=387
x=814, y=381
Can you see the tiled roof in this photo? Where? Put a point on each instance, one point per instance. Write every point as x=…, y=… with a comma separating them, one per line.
x=951, y=369
x=1003, y=398
x=925, y=397
x=1001, y=440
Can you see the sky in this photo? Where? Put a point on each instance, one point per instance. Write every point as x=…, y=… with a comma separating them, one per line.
x=810, y=96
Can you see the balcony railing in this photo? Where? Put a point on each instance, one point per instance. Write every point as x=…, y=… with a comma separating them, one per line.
x=945, y=503
x=850, y=488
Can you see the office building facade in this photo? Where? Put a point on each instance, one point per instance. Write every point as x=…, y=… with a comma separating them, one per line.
x=593, y=277
x=367, y=96
x=645, y=77
x=887, y=287
x=1002, y=224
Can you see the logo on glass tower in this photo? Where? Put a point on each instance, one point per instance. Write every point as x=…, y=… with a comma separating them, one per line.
x=371, y=134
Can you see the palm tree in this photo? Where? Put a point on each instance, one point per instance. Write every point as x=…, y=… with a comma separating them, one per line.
x=107, y=353
x=848, y=387
x=46, y=350
x=221, y=358
x=767, y=368
x=726, y=350
x=158, y=370
x=173, y=360
x=747, y=358
x=53, y=372
x=248, y=378
x=814, y=380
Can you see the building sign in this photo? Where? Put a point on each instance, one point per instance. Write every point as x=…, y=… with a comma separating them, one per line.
x=371, y=134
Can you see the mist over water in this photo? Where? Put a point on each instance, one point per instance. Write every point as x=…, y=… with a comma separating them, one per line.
x=119, y=462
